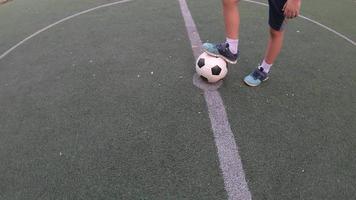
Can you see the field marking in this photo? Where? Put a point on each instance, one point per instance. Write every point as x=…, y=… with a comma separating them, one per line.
x=230, y=162
x=229, y=158
x=58, y=22
x=312, y=21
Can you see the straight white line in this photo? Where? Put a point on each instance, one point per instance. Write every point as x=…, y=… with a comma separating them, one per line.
x=229, y=159
x=312, y=21
x=58, y=22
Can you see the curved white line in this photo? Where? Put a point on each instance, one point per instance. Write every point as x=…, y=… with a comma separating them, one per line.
x=123, y=1
x=58, y=22
x=312, y=21
x=329, y=29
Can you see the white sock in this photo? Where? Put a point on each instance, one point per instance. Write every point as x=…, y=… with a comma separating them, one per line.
x=266, y=67
x=233, y=45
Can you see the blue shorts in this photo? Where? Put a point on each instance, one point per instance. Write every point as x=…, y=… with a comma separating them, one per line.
x=276, y=19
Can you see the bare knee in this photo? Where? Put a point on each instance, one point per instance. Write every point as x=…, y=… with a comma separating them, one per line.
x=230, y=2
x=276, y=34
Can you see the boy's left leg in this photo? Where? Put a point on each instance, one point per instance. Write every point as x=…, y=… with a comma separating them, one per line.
x=274, y=46
x=277, y=21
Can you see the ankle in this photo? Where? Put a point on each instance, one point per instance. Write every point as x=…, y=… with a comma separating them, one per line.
x=265, y=66
x=233, y=45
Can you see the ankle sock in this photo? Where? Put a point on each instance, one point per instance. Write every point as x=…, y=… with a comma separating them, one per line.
x=265, y=66
x=233, y=45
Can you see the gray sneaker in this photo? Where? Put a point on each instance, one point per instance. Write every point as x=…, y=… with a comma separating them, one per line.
x=256, y=77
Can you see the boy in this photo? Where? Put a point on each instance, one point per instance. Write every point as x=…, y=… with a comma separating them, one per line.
x=279, y=12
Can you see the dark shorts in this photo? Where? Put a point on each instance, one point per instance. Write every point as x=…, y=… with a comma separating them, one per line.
x=276, y=16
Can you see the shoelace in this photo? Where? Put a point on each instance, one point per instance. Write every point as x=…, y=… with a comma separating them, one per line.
x=222, y=46
x=259, y=74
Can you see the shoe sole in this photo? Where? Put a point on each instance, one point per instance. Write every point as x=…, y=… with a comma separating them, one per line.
x=220, y=56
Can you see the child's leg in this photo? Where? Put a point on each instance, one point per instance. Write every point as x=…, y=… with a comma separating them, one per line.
x=274, y=46
x=232, y=18
x=232, y=23
x=276, y=23
x=278, y=11
x=229, y=49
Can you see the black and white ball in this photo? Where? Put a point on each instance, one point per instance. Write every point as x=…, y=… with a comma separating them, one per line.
x=211, y=69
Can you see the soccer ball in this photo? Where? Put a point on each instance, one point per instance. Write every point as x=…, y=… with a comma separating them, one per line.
x=211, y=69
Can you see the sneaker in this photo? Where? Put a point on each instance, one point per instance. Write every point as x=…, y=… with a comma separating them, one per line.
x=222, y=51
x=256, y=77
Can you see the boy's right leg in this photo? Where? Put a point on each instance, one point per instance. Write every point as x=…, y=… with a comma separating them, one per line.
x=231, y=18
x=229, y=49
